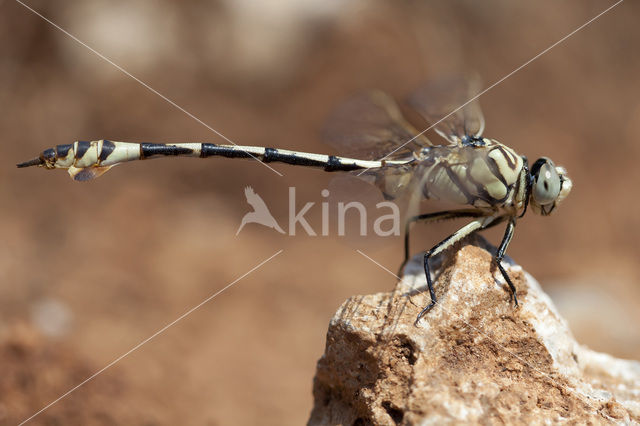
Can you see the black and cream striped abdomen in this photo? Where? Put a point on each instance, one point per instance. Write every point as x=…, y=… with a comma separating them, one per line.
x=483, y=174
x=89, y=159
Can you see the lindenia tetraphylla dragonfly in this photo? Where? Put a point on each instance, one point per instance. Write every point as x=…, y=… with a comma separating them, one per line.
x=383, y=147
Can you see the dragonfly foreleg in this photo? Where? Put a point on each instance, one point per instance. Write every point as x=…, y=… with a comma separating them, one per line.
x=429, y=218
x=508, y=234
x=479, y=223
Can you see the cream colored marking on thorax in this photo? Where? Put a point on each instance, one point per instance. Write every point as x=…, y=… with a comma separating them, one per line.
x=482, y=176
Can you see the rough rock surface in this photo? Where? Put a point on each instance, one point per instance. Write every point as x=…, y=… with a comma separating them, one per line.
x=474, y=358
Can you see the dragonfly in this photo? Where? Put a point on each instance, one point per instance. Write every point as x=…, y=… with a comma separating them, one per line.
x=383, y=147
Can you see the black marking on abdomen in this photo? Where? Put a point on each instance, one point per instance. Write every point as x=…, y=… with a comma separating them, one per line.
x=272, y=154
x=63, y=150
x=83, y=147
x=150, y=149
x=335, y=165
x=211, y=150
x=49, y=154
x=107, y=149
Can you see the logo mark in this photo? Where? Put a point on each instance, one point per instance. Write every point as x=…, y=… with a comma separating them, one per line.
x=384, y=225
x=260, y=213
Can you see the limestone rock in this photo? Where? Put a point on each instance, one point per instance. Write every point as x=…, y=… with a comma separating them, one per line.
x=474, y=358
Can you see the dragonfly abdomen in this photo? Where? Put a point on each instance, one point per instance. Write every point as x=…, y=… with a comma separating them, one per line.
x=87, y=160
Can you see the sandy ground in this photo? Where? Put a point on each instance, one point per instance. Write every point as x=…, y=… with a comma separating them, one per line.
x=88, y=271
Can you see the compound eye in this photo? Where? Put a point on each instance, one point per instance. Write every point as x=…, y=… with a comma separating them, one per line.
x=546, y=185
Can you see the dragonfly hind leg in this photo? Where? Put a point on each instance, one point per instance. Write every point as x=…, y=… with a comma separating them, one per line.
x=463, y=232
x=432, y=217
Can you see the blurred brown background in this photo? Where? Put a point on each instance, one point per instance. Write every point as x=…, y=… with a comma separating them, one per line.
x=87, y=271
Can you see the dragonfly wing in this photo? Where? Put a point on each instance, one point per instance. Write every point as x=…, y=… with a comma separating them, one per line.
x=393, y=183
x=393, y=180
x=450, y=107
x=371, y=126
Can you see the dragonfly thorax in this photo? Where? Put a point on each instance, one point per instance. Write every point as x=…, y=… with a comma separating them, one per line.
x=482, y=173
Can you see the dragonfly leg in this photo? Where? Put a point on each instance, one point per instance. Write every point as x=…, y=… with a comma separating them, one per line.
x=508, y=234
x=432, y=217
x=461, y=233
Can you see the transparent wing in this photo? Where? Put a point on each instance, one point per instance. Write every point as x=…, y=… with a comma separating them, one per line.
x=391, y=180
x=450, y=98
x=370, y=126
x=396, y=183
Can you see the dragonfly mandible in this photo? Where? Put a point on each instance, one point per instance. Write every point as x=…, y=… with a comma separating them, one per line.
x=491, y=179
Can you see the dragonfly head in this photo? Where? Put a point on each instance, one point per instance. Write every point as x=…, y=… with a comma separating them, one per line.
x=549, y=185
